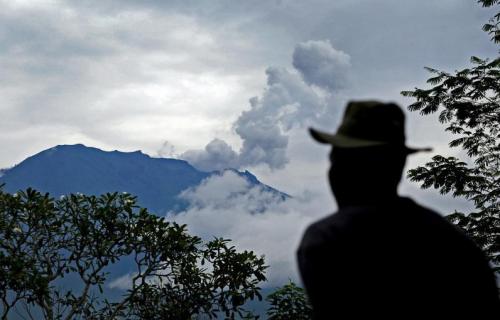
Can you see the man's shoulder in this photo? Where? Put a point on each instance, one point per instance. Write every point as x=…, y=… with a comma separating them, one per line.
x=333, y=227
x=349, y=215
x=403, y=211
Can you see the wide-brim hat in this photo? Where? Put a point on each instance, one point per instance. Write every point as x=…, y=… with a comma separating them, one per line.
x=367, y=124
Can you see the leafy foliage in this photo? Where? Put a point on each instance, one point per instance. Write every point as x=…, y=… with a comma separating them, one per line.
x=468, y=102
x=177, y=276
x=289, y=302
x=492, y=27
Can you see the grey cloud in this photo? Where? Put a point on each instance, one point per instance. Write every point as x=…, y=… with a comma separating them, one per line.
x=289, y=100
x=217, y=155
x=167, y=150
x=44, y=34
x=263, y=140
x=322, y=65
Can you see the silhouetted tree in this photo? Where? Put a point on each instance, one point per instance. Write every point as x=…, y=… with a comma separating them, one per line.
x=469, y=104
x=177, y=276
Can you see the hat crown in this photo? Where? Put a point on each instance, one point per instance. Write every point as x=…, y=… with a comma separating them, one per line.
x=375, y=121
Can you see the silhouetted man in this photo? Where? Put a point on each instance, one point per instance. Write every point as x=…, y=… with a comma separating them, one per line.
x=381, y=254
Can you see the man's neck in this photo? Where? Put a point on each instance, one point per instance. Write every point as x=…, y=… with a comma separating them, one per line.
x=366, y=200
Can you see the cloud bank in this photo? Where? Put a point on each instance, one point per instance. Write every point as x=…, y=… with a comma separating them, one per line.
x=253, y=218
x=294, y=97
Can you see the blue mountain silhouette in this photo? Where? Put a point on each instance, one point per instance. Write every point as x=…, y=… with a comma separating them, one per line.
x=156, y=182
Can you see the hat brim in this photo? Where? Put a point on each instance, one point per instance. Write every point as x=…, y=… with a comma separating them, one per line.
x=342, y=141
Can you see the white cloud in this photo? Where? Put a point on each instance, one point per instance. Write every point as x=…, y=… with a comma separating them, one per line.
x=216, y=190
x=123, y=282
x=226, y=206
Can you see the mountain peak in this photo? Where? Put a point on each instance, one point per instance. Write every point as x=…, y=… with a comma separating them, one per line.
x=82, y=147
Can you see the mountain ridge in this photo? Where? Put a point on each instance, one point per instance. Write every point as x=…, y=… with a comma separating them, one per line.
x=156, y=182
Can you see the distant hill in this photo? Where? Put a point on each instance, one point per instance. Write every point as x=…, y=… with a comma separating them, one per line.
x=68, y=169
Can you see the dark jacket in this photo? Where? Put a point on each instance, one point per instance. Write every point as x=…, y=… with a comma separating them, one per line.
x=394, y=260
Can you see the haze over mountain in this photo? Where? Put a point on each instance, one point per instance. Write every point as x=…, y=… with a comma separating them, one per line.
x=157, y=182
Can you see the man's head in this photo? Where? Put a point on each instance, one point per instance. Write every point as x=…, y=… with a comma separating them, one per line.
x=369, y=152
x=365, y=175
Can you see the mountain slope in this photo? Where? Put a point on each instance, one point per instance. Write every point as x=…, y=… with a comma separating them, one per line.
x=68, y=169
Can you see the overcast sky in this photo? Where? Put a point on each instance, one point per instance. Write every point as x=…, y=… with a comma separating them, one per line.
x=224, y=83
